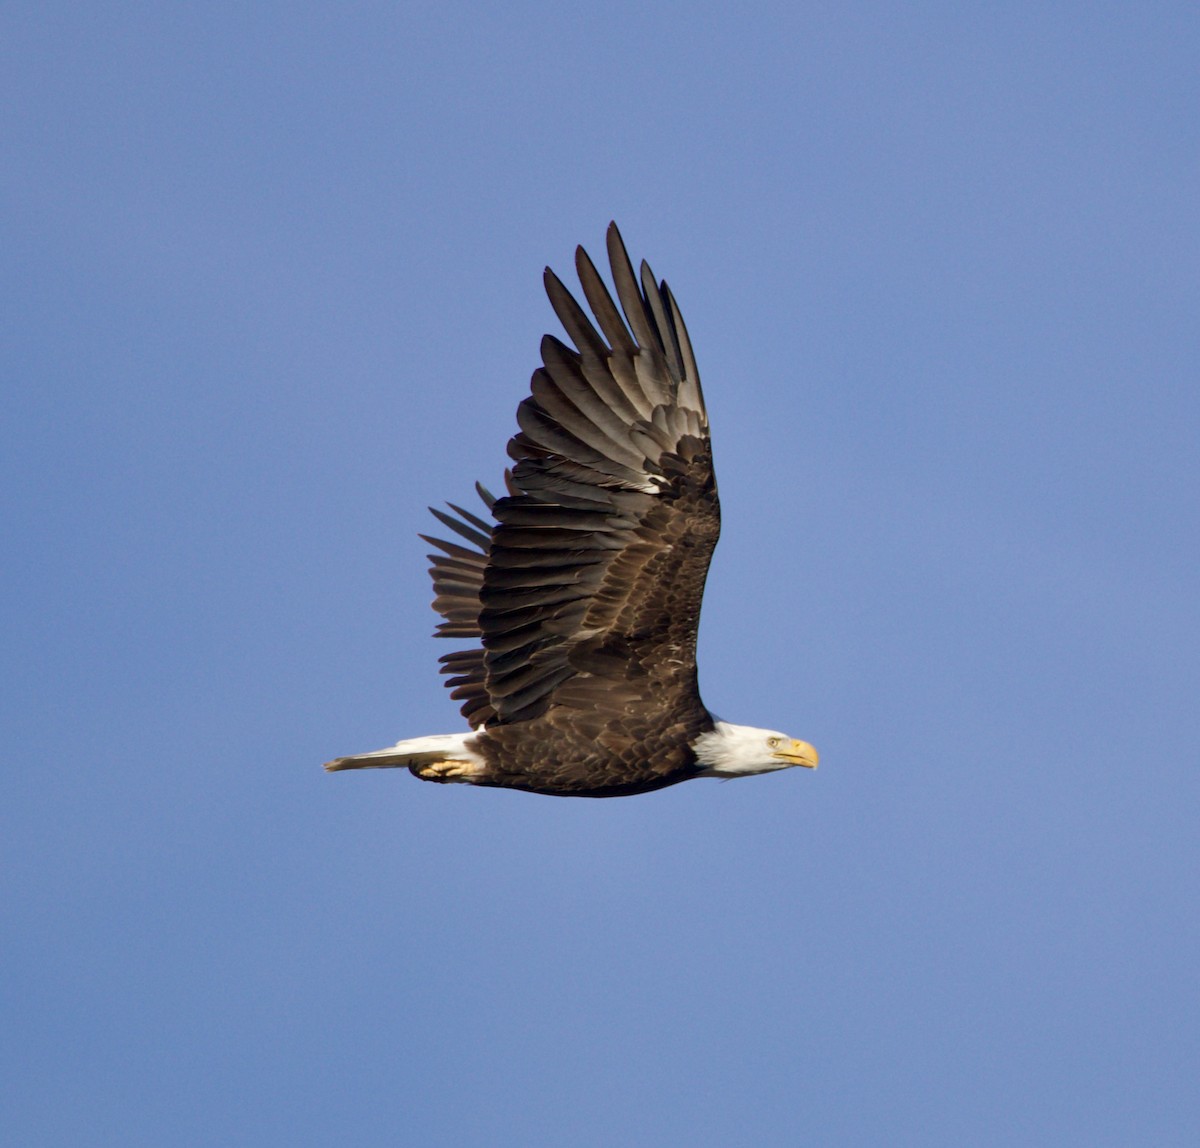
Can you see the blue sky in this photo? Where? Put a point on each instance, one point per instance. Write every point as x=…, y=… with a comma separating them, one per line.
x=272, y=285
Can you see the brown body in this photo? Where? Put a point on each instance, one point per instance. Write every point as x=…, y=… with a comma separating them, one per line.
x=555, y=756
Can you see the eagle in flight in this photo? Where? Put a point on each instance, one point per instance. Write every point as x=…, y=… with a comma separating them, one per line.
x=581, y=597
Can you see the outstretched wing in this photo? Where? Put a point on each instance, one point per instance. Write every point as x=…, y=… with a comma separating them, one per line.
x=586, y=589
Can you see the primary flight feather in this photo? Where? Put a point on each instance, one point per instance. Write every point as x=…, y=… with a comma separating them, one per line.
x=583, y=592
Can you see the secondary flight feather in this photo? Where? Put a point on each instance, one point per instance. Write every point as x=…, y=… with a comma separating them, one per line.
x=581, y=590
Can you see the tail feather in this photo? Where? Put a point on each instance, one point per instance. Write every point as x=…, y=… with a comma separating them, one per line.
x=376, y=759
x=414, y=752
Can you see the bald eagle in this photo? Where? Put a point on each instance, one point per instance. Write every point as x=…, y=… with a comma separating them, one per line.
x=582, y=595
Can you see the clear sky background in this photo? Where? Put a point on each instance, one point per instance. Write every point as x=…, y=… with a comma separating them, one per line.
x=272, y=284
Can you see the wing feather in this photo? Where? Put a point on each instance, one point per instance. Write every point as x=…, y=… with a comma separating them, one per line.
x=590, y=387
x=572, y=317
x=629, y=293
x=462, y=529
x=585, y=591
x=662, y=325
x=691, y=398
x=591, y=424
x=602, y=305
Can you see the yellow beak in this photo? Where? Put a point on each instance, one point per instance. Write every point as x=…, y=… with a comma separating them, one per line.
x=798, y=753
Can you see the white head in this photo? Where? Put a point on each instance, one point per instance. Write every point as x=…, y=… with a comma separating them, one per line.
x=741, y=750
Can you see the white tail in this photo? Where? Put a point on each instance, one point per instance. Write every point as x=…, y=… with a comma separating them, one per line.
x=430, y=754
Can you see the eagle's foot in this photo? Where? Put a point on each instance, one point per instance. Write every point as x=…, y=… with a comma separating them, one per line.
x=448, y=770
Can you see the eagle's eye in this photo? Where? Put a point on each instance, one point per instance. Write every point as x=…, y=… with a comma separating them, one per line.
x=773, y=742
